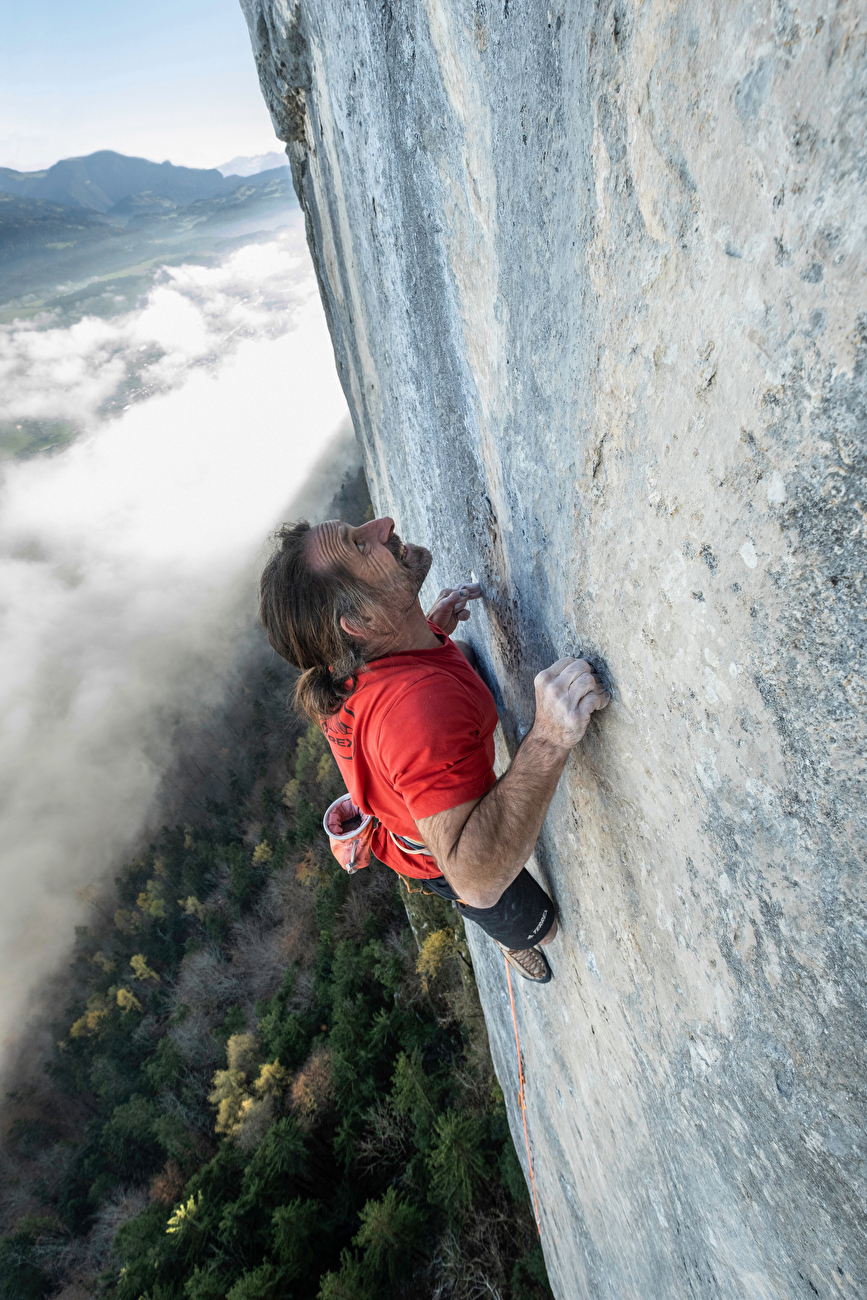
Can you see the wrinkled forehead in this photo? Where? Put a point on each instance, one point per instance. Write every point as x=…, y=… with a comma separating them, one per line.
x=327, y=545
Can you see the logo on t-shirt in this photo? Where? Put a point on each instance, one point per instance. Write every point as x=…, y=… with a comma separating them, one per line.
x=340, y=735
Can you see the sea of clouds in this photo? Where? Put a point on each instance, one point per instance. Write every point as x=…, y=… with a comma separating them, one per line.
x=128, y=559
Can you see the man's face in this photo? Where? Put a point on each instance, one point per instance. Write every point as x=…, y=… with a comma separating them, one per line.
x=376, y=556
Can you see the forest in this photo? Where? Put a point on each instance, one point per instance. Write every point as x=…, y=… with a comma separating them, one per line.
x=268, y=1080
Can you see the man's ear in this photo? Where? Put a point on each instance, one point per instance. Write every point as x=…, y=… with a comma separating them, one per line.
x=352, y=629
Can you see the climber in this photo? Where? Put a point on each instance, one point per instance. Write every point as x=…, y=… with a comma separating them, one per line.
x=411, y=724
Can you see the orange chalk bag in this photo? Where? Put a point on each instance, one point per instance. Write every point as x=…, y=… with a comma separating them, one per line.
x=350, y=833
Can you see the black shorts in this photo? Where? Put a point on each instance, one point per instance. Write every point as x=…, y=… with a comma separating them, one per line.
x=521, y=918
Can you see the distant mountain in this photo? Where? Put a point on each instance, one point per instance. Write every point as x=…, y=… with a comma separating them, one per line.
x=103, y=179
x=44, y=245
x=146, y=202
x=268, y=190
x=281, y=173
x=36, y=225
x=262, y=162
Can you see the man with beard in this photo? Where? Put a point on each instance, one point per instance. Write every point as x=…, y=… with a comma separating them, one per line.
x=411, y=724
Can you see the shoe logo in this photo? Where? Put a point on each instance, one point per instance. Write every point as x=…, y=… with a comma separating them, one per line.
x=539, y=926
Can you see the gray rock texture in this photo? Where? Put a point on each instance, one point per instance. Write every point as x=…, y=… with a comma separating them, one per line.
x=595, y=275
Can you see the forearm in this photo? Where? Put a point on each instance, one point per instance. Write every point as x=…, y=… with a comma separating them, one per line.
x=499, y=835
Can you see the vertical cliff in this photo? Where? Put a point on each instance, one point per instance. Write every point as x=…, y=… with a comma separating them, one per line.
x=595, y=278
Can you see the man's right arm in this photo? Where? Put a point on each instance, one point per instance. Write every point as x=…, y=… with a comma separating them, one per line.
x=481, y=846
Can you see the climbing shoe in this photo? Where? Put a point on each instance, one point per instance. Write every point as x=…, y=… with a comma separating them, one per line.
x=531, y=963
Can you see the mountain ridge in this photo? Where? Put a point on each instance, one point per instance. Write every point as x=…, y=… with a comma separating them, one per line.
x=98, y=182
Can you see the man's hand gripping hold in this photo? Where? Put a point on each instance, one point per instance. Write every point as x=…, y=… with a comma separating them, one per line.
x=450, y=606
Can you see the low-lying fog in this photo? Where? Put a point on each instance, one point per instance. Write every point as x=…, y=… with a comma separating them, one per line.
x=128, y=558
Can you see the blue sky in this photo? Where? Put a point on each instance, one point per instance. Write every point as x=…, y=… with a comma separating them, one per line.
x=159, y=78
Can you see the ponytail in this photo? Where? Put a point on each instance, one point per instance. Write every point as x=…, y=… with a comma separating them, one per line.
x=320, y=692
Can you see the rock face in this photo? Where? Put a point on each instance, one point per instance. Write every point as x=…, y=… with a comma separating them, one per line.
x=595, y=277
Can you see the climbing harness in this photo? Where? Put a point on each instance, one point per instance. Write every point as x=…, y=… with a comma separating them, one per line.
x=415, y=885
x=409, y=846
x=522, y=1098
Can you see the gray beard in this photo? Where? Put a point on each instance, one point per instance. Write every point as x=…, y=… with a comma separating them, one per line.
x=416, y=564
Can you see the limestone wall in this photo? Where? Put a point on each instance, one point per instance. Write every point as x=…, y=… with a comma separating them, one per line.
x=596, y=280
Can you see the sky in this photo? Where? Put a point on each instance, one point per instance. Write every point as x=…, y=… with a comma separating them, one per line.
x=159, y=79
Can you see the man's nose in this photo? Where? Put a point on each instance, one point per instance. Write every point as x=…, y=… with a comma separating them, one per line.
x=381, y=529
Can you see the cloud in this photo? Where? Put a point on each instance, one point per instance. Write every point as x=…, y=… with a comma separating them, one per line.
x=128, y=560
x=193, y=318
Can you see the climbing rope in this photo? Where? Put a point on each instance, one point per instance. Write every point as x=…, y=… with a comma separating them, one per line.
x=523, y=1100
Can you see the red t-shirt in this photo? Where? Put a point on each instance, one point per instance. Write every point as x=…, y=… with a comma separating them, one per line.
x=416, y=737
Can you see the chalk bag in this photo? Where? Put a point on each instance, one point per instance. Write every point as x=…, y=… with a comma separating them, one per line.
x=349, y=832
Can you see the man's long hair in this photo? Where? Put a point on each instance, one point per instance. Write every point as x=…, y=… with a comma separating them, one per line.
x=300, y=610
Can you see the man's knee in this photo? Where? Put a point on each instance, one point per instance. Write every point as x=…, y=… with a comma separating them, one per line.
x=552, y=934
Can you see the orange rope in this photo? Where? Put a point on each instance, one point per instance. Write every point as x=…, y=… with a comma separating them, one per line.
x=523, y=1101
